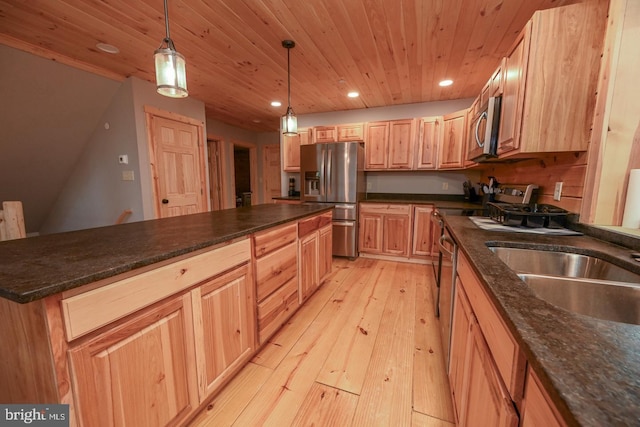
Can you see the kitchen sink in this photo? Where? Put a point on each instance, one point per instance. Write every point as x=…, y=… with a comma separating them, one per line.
x=563, y=264
x=582, y=284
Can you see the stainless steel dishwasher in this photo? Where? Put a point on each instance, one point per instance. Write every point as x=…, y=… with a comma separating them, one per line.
x=448, y=252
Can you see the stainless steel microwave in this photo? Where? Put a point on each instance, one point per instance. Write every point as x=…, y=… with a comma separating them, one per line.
x=485, y=131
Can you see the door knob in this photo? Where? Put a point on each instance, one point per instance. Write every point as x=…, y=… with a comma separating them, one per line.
x=165, y=201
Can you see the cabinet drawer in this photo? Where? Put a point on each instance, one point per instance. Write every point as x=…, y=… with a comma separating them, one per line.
x=504, y=349
x=276, y=269
x=312, y=224
x=89, y=311
x=268, y=241
x=385, y=208
x=276, y=309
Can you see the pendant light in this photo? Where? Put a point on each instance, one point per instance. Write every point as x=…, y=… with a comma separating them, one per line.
x=171, y=75
x=289, y=120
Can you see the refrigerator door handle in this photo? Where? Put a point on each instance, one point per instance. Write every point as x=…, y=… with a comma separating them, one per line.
x=329, y=173
x=323, y=172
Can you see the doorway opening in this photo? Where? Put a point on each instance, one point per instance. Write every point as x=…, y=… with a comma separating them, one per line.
x=242, y=170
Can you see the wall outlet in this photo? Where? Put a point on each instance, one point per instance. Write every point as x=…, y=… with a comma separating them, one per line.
x=557, y=193
x=445, y=185
x=369, y=186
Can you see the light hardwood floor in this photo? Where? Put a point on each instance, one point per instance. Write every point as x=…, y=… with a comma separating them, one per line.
x=363, y=351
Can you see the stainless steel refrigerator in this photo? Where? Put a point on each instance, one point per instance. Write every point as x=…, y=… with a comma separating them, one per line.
x=334, y=173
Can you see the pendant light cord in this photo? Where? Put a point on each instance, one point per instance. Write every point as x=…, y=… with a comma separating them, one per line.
x=288, y=78
x=166, y=21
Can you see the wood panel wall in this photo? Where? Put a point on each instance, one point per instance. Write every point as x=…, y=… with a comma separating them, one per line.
x=545, y=171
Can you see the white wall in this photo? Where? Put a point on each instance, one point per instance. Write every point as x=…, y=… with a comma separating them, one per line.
x=394, y=182
x=95, y=193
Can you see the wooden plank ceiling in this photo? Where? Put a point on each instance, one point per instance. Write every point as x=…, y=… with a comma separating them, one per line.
x=390, y=51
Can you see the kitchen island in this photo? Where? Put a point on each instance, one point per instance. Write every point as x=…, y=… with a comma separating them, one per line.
x=148, y=320
x=589, y=368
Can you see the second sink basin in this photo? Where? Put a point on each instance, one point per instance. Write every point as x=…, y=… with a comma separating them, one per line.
x=564, y=264
x=579, y=283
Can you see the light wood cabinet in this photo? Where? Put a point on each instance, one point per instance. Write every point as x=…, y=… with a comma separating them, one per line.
x=224, y=325
x=314, y=252
x=351, y=132
x=323, y=134
x=325, y=248
x=385, y=229
x=339, y=133
x=422, y=238
x=141, y=372
x=291, y=149
x=451, y=151
x=276, y=265
x=309, y=254
x=376, y=146
x=550, y=82
x=390, y=145
x=428, y=140
x=538, y=409
x=402, y=136
x=486, y=367
x=370, y=232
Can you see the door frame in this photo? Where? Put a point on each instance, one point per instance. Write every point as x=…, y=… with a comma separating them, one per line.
x=217, y=169
x=253, y=168
x=150, y=112
x=265, y=190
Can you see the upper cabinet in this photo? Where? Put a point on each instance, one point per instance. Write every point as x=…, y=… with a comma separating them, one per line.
x=452, y=148
x=291, y=149
x=429, y=135
x=339, y=133
x=549, y=81
x=390, y=145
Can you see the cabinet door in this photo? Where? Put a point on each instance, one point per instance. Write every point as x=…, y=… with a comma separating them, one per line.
x=308, y=256
x=395, y=239
x=140, y=372
x=376, y=145
x=325, y=244
x=325, y=134
x=291, y=153
x=487, y=399
x=451, y=151
x=513, y=94
x=224, y=327
x=402, y=138
x=351, y=132
x=428, y=141
x=472, y=149
x=370, y=233
x=460, y=336
x=422, y=237
x=538, y=409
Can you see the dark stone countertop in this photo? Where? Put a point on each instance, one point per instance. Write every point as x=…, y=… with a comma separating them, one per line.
x=36, y=267
x=589, y=367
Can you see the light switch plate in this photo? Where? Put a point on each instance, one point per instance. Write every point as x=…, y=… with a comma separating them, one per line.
x=557, y=193
x=123, y=159
x=128, y=176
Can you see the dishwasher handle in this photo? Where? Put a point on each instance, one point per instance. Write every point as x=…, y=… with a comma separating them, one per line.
x=443, y=248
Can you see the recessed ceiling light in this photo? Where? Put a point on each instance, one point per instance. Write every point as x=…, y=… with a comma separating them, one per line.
x=109, y=48
x=257, y=121
x=446, y=83
x=353, y=94
x=276, y=103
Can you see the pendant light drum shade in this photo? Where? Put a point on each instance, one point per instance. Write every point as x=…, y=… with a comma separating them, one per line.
x=171, y=68
x=171, y=75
